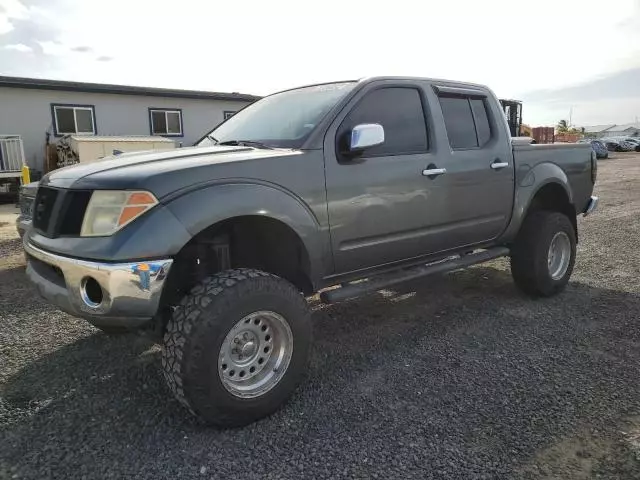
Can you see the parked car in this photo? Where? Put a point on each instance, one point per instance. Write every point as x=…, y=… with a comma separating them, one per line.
x=633, y=140
x=333, y=185
x=600, y=149
x=616, y=145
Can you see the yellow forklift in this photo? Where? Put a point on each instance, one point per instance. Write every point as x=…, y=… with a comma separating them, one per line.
x=513, y=111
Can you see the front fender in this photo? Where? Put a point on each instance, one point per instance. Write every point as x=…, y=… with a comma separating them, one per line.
x=529, y=181
x=199, y=209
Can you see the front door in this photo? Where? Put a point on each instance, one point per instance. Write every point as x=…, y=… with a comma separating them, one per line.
x=379, y=203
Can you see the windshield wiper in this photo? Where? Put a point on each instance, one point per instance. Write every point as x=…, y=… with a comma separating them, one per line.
x=213, y=139
x=246, y=143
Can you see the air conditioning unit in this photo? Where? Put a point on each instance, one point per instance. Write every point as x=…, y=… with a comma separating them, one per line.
x=72, y=149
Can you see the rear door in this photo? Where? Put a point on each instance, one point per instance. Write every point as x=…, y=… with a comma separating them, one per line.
x=475, y=150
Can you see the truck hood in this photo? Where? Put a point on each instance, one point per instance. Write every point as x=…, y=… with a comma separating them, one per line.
x=163, y=172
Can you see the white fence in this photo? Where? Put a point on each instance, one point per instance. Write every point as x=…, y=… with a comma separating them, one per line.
x=11, y=155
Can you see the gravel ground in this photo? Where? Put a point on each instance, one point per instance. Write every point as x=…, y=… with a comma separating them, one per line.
x=453, y=377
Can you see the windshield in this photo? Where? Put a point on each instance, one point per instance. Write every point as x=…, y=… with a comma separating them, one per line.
x=282, y=120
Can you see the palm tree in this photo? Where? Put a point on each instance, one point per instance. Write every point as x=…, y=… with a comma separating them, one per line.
x=562, y=126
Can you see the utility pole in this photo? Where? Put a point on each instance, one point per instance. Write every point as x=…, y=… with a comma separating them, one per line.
x=570, y=116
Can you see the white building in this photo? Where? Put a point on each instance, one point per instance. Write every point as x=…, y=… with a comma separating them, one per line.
x=598, y=131
x=38, y=110
x=627, y=130
x=612, y=130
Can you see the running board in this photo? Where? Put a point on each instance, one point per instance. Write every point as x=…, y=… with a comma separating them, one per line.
x=353, y=290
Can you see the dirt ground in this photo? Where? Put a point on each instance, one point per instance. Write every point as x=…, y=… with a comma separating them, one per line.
x=459, y=376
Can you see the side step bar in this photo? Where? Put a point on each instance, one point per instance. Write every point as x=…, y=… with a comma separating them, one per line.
x=353, y=290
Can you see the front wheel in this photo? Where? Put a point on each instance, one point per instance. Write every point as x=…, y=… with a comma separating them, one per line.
x=544, y=253
x=236, y=347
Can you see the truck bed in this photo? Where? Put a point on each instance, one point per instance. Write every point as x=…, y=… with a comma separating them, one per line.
x=572, y=158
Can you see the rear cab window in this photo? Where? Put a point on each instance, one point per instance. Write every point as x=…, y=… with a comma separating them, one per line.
x=466, y=121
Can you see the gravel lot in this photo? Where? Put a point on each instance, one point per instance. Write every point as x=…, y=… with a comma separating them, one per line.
x=453, y=377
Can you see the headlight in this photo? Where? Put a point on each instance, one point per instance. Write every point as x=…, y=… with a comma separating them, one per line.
x=110, y=210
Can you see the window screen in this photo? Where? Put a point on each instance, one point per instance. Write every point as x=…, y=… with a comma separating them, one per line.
x=71, y=119
x=66, y=120
x=166, y=122
x=173, y=122
x=84, y=121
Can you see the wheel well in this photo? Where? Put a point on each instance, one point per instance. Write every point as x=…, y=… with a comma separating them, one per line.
x=249, y=241
x=553, y=197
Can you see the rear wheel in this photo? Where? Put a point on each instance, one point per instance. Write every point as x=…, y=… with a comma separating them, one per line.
x=236, y=347
x=544, y=253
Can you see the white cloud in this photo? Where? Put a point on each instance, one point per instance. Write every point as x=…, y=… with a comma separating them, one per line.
x=5, y=25
x=19, y=47
x=53, y=48
x=259, y=47
x=10, y=10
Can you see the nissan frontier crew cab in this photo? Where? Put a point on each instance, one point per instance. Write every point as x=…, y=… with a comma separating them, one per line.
x=216, y=246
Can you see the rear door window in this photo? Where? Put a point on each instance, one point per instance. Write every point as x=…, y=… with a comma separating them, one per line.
x=483, y=129
x=466, y=121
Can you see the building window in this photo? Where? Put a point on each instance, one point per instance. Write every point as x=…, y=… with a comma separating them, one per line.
x=228, y=114
x=166, y=122
x=73, y=119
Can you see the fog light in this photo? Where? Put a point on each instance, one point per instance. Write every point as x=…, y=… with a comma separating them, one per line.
x=91, y=292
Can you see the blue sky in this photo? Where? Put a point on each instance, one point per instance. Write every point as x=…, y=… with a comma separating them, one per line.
x=553, y=55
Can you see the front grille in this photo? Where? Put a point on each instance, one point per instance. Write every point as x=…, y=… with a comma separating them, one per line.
x=26, y=206
x=73, y=208
x=43, y=208
x=59, y=212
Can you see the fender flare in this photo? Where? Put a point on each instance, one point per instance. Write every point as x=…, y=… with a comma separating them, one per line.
x=224, y=201
x=529, y=182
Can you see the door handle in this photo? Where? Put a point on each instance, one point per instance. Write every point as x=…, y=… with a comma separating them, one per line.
x=433, y=172
x=497, y=165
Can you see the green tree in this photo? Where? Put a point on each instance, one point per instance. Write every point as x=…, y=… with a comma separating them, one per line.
x=562, y=126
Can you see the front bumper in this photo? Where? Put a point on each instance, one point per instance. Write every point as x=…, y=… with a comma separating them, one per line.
x=129, y=293
x=23, y=224
x=591, y=206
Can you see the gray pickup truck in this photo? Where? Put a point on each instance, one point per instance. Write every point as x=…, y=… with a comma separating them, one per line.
x=356, y=185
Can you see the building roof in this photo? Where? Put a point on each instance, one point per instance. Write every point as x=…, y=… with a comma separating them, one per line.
x=598, y=128
x=44, y=84
x=628, y=126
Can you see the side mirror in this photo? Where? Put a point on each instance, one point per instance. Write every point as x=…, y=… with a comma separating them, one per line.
x=365, y=135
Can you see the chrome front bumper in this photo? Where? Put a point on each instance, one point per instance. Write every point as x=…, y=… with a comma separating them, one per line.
x=23, y=225
x=128, y=293
x=591, y=206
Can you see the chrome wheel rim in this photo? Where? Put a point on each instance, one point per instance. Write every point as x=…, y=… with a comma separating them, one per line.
x=559, y=255
x=255, y=354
